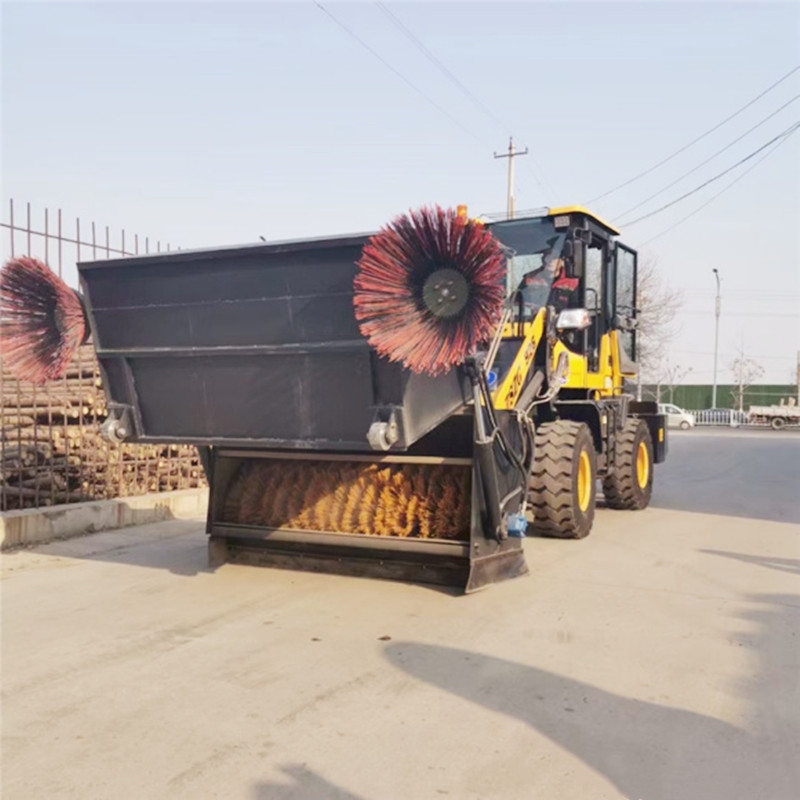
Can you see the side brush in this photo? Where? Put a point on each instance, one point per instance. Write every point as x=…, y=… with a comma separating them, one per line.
x=430, y=289
x=42, y=321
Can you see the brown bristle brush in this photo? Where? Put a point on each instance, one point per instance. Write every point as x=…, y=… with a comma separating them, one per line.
x=42, y=321
x=429, y=289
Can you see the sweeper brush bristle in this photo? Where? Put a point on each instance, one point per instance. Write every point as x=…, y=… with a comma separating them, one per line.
x=42, y=321
x=429, y=289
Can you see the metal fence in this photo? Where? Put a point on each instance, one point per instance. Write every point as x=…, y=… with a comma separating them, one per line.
x=732, y=418
x=50, y=448
x=720, y=417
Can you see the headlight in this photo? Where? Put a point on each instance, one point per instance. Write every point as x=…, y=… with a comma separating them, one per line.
x=573, y=319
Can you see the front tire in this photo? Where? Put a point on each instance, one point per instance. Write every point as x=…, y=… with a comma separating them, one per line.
x=685, y=425
x=563, y=482
x=778, y=423
x=630, y=486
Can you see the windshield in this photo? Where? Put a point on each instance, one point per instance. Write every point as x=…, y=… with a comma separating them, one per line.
x=535, y=250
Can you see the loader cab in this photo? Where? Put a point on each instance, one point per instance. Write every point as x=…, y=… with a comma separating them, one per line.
x=601, y=274
x=607, y=272
x=533, y=247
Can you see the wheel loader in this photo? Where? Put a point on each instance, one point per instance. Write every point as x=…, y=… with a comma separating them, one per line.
x=323, y=455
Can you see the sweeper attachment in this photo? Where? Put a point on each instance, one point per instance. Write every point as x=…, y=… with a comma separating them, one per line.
x=332, y=387
x=401, y=405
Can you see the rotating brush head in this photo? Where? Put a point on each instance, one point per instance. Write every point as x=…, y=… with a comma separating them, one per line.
x=429, y=289
x=42, y=321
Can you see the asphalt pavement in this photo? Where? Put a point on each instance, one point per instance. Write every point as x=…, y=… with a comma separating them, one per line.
x=657, y=659
x=753, y=473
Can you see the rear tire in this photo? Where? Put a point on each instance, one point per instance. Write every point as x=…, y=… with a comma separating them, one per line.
x=563, y=482
x=777, y=423
x=631, y=484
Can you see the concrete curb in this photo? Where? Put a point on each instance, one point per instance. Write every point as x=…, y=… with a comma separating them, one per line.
x=38, y=525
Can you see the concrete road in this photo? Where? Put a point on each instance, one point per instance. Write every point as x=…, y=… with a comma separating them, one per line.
x=658, y=659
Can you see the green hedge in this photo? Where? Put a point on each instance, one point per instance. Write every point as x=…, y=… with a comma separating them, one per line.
x=697, y=397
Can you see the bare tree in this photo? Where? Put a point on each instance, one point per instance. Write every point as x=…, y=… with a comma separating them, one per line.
x=745, y=371
x=669, y=378
x=657, y=308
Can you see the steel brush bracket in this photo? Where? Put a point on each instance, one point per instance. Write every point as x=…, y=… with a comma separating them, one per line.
x=383, y=432
x=118, y=426
x=492, y=448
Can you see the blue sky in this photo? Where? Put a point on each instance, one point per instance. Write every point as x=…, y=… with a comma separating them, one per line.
x=212, y=124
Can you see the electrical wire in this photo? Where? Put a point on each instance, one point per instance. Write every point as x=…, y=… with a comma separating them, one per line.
x=396, y=72
x=696, y=140
x=770, y=314
x=785, y=134
x=459, y=84
x=703, y=163
x=730, y=355
x=715, y=196
x=442, y=68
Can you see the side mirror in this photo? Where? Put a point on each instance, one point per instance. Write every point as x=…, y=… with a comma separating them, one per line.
x=626, y=323
x=575, y=251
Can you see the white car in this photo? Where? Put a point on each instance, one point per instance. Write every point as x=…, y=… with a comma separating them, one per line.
x=677, y=417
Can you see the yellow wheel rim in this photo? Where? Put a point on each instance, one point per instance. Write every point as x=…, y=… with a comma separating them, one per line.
x=642, y=465
x=584, y=481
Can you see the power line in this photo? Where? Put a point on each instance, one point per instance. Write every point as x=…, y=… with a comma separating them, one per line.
x=710, y=158
x=442, y=68
x=729, y=353
x=460, y=85
x=396, y=72
x=695, y=141
x=788, y=132
x=771, y=314
x=749, y=293
x=764, y=296
x=715, y=196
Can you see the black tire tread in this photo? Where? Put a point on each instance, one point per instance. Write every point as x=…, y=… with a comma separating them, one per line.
x=551, y=484
x=620, y=488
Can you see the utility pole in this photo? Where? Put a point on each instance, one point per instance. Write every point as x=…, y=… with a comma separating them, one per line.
x=798, y=377
x=511, y=155
x=717, y=307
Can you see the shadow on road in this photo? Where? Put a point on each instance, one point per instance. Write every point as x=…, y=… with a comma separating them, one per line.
x=790, y=565
x=647, y=750
x=167, y=545
x=178, y=545
x=307, y=786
